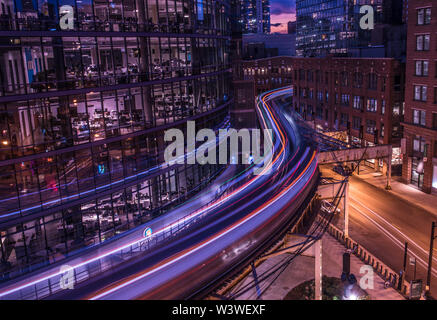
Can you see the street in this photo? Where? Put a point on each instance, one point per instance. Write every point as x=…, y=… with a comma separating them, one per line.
x=382, y=222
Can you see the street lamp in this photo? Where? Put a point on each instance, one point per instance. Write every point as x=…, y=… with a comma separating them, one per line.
x=431, y=249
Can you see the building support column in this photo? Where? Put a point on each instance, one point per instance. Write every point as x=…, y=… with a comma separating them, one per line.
x=346, y=209
x=388, y=186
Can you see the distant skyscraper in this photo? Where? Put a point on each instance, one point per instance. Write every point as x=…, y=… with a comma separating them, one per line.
x=291, y=27
x=332, y=27
x=255, y=15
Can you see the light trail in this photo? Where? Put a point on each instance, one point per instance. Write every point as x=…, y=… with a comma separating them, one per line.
x=203, y=244
x=267, y=116
x=391, y=236
x=126, y=282
x=140, y=239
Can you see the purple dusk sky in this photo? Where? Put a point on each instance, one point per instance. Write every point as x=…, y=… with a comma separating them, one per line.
x=281, y=11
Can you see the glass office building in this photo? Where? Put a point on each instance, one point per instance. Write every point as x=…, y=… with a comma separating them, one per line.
x=255, y=16
x=83, y=112
x=332, y=27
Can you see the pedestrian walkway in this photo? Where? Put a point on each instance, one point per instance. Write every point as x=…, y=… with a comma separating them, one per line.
x=406, y=192
x=301, y=269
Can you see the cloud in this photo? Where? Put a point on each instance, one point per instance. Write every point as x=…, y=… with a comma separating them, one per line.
x=278, y=7
x=279, y=22
x=281, y=11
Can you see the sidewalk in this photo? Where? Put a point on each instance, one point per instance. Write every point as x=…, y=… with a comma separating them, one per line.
x=408, y=193
x=301, y=269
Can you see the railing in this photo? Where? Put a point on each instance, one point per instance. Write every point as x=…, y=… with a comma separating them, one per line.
x=390, y=277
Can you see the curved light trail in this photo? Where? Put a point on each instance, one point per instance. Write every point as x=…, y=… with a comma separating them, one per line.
x=248, y=214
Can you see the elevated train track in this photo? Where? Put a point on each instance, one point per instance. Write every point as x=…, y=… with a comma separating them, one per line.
x=233, y=230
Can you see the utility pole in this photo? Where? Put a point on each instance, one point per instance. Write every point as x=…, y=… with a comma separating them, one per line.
x=318, y=269
x=431, y=249
x=388, y=185
x=405, y=256
x=404, y=268
x=346, y=209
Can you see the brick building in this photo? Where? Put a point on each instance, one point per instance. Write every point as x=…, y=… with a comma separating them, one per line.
x=420, y=126
x=359, y=94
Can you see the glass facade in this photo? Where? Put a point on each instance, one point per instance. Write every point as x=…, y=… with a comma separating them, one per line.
x=319, y=25
x=327, y=27
x=83, y=111
x=255, y=16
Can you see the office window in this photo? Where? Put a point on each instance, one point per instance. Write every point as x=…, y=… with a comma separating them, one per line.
x=320, y=95
x=383, y=107
x=345, y=99
x=427, y=16
x=434, y=120
x=420, y=16
x=372, y=105
x=310, y=75
x=396, y=109
x=382, y=133
x=319, y=112
x=358, y=102
x=424, y=16
x=422, y=68
x=356, y=123
x=419, y=144
x=373, y=81
x=344, y=79
x=422, y=42
x=344, y=119
x=370, y=126
x=419, y=117
x=358, y=80
x=420, y=93
x=310, y=110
